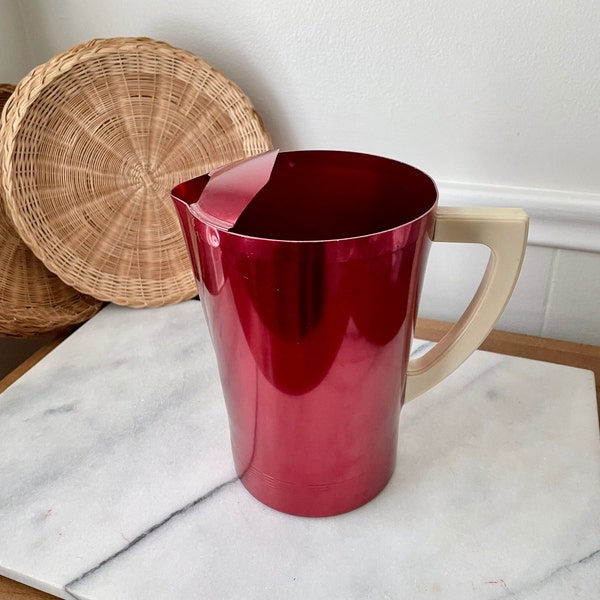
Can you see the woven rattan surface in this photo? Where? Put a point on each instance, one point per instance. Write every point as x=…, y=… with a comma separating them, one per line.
x=32, y=299
x=95, y=140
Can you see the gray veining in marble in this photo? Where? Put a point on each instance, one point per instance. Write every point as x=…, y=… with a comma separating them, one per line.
x=117, y=482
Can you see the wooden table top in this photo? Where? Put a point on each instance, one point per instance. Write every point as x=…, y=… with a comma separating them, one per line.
x=525, y=346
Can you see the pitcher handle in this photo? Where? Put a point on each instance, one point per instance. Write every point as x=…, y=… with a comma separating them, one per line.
x=504, y=231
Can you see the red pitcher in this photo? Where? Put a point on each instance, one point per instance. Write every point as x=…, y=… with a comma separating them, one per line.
x=309, y=266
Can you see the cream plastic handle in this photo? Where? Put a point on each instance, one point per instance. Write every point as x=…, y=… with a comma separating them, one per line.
x=504, y=231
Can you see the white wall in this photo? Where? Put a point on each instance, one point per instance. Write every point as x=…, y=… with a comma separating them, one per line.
x=16, y=54
x=473, y=91
x=477, y=94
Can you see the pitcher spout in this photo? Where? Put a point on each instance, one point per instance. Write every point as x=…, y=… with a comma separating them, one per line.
x=181, y=196
x=201, y=238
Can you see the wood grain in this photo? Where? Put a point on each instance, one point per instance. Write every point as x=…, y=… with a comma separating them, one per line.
x=12, y=590
x=513, y=344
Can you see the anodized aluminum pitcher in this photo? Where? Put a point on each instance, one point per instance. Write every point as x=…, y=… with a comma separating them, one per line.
x=309, y=266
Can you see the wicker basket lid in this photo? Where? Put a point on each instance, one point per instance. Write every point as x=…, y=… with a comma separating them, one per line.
x=95, y=139
x=32, y=300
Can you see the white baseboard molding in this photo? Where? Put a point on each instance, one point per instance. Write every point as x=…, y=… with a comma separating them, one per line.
x=558, y=219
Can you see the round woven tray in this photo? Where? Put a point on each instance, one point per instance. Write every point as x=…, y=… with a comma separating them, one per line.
x=32, y=300
x=95, y=139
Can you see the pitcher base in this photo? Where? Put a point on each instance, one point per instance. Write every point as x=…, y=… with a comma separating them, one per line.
x=320, y=500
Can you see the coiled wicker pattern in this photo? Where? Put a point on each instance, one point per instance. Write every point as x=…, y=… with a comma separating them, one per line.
x=32, y=299
x=95, y=139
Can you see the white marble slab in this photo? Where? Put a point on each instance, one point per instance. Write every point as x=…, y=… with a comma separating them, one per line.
x=116, y=481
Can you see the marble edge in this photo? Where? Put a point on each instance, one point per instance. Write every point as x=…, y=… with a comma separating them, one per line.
x=38, y=584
